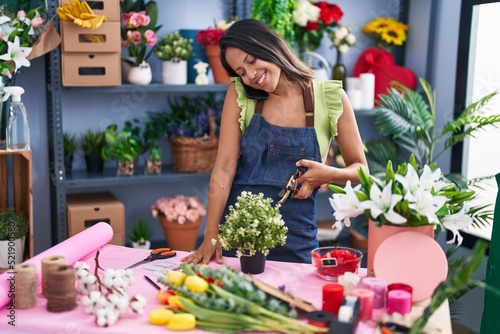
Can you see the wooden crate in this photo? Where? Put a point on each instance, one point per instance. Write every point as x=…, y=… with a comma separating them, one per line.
x=16, y=188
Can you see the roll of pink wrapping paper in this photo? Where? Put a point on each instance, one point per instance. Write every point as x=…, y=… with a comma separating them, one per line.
x=73, y=249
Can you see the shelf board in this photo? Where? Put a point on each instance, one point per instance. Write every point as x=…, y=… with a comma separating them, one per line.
x=364, y=112
x=152, y=88
x=80, y=179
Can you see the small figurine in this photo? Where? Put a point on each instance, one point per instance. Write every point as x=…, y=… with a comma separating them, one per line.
x=201, y=68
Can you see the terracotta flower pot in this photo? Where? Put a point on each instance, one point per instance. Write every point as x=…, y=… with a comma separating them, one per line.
x=181, y=237
x=213, y=55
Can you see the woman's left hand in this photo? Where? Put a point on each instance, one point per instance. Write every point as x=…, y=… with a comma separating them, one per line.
x=317, y=174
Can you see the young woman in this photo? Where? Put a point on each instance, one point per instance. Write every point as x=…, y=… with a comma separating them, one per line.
x=276, y=118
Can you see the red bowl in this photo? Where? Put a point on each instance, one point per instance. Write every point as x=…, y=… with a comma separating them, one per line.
x=331, y=262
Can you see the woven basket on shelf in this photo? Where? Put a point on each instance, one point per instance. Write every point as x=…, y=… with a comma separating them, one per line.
x=195, y=155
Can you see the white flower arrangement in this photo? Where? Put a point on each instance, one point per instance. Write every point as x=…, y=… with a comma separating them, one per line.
x=342, y=38
x=252, y=225
x=407, y=197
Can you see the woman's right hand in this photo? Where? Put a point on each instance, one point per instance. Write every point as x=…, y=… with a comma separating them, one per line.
x=205, y=253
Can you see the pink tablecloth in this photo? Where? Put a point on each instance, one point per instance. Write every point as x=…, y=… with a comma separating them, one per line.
x=299, y=279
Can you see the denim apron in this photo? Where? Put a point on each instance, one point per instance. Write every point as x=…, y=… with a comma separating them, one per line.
x=268, y=154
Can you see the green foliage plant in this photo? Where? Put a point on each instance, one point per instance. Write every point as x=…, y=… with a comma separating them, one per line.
x=92, y=142
x=13, y=225
x=174, y=47
x=151, y=136
x=70, y=142
x=278, y=15
x=120, y=145
x=141, y=231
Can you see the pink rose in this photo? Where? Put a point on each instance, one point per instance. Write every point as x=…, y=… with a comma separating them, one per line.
x=139, y=19
x=150, y=37
x=37, y=22
x=134, y=37
x=192, y=215
x=126, y=19
x=21, y=14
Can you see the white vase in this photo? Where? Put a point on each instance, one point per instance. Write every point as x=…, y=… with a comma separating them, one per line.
x=175, y=72
x=11, y=252
x=140, y=75
x=141, y=245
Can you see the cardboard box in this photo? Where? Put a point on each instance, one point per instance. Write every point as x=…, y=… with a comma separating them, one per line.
x=77, y=39
x=108, y=8
x=91, y=69
x=86, y=210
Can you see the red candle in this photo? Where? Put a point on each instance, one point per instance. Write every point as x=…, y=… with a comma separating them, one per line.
x=333, y=295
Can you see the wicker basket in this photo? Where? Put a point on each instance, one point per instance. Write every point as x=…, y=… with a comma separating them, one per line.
x=195, y=155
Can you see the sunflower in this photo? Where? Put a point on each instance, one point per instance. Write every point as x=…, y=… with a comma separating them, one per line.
x=387, y=31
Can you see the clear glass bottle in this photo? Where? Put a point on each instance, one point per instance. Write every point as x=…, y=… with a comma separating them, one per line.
x=18, y=133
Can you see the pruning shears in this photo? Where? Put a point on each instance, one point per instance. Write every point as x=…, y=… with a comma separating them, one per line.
x=291, y=186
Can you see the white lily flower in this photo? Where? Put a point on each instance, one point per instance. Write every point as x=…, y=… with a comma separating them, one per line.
x=457, y=221
x=383, y=203
x=427, y=205
x=346, y=205
x=429, y=178
x=17, y=54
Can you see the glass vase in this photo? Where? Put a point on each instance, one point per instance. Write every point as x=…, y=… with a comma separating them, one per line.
x=339, y=71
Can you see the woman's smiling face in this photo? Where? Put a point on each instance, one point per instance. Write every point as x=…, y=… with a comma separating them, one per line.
x=254, y=72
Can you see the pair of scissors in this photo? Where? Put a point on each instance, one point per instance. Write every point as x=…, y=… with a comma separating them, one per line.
x=291, y=186
x=156, y=254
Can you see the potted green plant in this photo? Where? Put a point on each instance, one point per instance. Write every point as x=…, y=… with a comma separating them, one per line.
x=92, y=143
x=174, y=50
x=123, y=147
x=140, y=234
x=70, y=143
x=150, y=136
x=253, y=227
x=14, y=227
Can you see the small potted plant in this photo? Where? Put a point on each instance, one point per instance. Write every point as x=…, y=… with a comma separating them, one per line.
x=174, y=50
x=14, y=227
x=92, y=143
x=70, y=143
x=191, y=125
x=123, y=147
x=253, y=227
x=181, y=217
x=150, y=136
x=141, y=234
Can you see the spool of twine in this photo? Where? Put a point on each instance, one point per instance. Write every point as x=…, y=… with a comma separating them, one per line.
x=60, y=290
x=26, y=285
x=48, y=262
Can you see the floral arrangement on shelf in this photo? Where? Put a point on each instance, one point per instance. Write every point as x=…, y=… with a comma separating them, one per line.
x=179, y=209
x=138, y=31
x=174, y=47
x=387, y=31
x=312, y=19
x=212, y=35
x=252, y=225
x=223, y=300
x=24, y=36
x=189, y=116
x=408, y=196
x=342, y=38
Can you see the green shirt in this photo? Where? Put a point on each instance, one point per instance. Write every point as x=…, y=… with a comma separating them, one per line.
x=327, y=110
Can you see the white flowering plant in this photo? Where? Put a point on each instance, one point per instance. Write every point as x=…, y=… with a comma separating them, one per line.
x=408, y=196
x=342, y=38
x=252, y=225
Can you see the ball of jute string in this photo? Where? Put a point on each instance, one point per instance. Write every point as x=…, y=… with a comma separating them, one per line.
x=60, y=290
x=48, y=262
x=26, y=285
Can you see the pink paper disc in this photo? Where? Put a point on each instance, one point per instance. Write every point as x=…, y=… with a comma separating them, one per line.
x=414, y=259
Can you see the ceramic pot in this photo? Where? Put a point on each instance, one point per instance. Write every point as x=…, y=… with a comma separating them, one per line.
x=253, y=264
x=141, y=245
x=140, y=75
x=94, y=163
x=181, y=237
x=174, y=72
x=218, y=71
x=377, y=235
